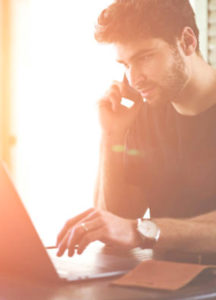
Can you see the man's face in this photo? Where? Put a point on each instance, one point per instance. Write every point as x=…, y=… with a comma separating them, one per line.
x=154, y=68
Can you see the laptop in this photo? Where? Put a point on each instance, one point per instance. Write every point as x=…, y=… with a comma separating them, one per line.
x=23, y=254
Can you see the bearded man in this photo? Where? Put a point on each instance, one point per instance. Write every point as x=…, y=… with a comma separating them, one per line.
x=161, y=152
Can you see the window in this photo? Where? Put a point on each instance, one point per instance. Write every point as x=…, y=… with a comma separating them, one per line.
x=211, y=38
x=201, y=11
x=57, y=81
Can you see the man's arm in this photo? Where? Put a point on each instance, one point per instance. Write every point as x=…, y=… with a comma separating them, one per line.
x=112, y=192
x=195, y=235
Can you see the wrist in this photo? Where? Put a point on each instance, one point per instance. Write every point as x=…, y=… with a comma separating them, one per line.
x=114, y=142
x=149, y=233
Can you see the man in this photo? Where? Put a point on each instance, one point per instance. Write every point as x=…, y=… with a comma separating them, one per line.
x=161, y=152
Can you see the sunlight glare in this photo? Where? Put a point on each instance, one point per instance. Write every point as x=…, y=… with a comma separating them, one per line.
x=60, y=72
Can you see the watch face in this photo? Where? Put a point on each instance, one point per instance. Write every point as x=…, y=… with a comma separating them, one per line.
x=148, y=229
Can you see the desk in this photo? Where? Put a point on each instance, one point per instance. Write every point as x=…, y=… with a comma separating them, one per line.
x=17, y=289
x=23, y=289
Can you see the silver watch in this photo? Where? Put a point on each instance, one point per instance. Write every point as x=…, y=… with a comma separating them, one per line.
x=149, y=232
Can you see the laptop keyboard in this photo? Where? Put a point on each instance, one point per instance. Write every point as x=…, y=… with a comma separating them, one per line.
x=91, y=264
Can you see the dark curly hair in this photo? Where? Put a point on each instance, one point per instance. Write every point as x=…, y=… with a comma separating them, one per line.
x=125, y=20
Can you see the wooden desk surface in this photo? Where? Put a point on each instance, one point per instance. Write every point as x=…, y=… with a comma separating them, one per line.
x=17, y=289
x=24, y=289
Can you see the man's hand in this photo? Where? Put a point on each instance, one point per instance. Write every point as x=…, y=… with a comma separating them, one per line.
x=94, y=225
x=115, y=118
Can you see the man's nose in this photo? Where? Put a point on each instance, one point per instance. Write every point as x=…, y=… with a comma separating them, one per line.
x=135, y=76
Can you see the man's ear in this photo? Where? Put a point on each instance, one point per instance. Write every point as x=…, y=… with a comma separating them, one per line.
x=188, y=41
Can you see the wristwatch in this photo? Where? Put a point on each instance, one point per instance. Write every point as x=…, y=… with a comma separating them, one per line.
x=149, y=233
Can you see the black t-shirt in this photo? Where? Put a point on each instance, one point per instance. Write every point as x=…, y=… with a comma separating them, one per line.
x=173, y=159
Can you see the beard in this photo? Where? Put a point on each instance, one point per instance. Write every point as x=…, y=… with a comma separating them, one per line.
x=174, y=82
x=176, y=79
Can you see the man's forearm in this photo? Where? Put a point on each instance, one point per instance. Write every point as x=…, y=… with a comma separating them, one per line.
x=195, y=235
x=112, y=193
x=110, y=177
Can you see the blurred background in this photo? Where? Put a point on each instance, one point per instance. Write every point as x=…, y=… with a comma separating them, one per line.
x=52, y=74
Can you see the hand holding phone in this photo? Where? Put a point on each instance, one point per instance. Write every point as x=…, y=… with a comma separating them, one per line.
x=114, y=117
x=130, y=94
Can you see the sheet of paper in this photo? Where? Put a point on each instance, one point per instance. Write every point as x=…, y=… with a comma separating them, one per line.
x=163, y=275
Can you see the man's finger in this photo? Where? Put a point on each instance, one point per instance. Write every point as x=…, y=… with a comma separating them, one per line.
x=115, y=97
x=111, y=99
x=73, y=235
x=79, y=232
x=70, y=223
x=74, y=238
x=93, y=215
x=89, y=238
x=130, y=93
x=62, y=246
x=127, y=91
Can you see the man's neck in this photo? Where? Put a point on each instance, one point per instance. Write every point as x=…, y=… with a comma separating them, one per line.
x=199, y=93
